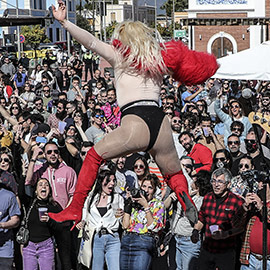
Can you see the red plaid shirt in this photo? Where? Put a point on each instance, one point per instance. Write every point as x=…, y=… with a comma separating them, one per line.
x=228, y=214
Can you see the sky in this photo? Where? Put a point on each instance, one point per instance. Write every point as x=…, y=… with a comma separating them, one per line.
x=152, y=3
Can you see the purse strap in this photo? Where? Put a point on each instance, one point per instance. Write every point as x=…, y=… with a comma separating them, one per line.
x=26, y=217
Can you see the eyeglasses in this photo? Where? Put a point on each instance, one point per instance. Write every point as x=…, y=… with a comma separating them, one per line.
x=4, y=159
x=15, y=108
x=44, y=81
x=38, y=104
x=49, y=152
x=162, y=93
x=139, y=166
x=235, y=107
x=233, y=142
x=46, y=90
x=170, y=103
x=72, y=129
x=189, y=166
x=61, y=108
x=241, y=165
x=77, y=115
x=99, y=116
x=199, y=105
x=222, y=159
x=265, y=99
x=250, y=141
x=12, y=97
x=91, y=102
x=217, y=181
x=236, y=128
x=176, y=121
x=168, y=113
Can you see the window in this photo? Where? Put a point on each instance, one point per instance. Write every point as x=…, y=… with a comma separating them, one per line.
x=113, y=17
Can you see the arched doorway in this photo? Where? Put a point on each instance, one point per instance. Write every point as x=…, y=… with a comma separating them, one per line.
x=222, y=46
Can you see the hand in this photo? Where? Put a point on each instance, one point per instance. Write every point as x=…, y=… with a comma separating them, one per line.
x=142, y=201
x=173, y=196
x=78, y=123
x=37, y=151
x=80, y=225
x=44, y=218
x=253, y=198
x=128, y=206
x=219, y=93
x=60, y=13
x=195, y=237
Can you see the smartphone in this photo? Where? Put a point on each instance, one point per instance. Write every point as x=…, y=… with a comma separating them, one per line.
x=41, y=139
x=205, y=131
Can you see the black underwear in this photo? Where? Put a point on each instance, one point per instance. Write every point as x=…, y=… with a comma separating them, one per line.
x=152, y=116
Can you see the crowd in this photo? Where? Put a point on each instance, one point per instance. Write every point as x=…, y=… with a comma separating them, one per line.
x=51, y=116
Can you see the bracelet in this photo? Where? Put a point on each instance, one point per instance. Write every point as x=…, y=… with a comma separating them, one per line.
x=146, y=210
x=33, y=160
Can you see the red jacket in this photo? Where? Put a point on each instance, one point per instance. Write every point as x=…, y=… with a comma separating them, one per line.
x=202, y=156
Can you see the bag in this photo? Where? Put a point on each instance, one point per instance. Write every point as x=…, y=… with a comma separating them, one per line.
x=86, y=247
x=22, y=236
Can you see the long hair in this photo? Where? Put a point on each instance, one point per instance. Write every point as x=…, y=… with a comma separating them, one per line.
x=140, y=50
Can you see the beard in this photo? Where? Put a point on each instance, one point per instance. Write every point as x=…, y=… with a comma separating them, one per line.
x=176, y=128
x=61, y=115
x=188, y=147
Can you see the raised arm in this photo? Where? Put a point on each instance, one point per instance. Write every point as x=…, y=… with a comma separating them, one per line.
x=83, y=37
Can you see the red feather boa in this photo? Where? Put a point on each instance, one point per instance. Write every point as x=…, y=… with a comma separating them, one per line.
x=189, y=67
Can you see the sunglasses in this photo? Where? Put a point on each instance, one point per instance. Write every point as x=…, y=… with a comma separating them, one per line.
x=38, y=104
x=46, y=90
x=44, y=81
x=56, y=151
x=235, y=128
x=176, y=121
x=189, y=166
x=99, y=116
x=72, y=129
x=61, y=108
x=265, y=99
x=4, y=159
x=241, y=165
x=250, y=141
x=233, y=142
x=16, y=108
x=235, y=107
x=200, y=105
x=222, y=159
x=139, y=166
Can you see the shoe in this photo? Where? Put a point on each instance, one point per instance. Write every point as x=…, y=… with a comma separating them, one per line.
x=86, y=180
x=178, y=183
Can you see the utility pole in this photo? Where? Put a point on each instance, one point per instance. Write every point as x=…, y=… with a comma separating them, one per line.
x=173, y=18
x=104, y=20
x=18, y=31
x=68, y=34
x=156, y=18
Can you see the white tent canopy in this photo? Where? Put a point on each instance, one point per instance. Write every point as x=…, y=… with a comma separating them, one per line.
x=250, y=64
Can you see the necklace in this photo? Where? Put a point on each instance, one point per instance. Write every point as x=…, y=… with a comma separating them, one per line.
x=103, y=195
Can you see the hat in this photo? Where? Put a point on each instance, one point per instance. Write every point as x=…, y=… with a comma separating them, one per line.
x=53, y=66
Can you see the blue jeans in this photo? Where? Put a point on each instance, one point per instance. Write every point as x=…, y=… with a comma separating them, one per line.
x=39, y=254
x=187, y=253
x=107, y=246
x=136, y=252
x=254, y=264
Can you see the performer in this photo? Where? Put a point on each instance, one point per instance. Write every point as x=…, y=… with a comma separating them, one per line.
x=139, y=63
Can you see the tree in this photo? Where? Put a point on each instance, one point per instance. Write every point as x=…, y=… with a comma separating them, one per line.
x=83, y=23
x=34, y=35
x=110, y=29
x=180, y=5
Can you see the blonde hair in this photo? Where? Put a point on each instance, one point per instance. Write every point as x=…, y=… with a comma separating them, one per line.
x=140, y=50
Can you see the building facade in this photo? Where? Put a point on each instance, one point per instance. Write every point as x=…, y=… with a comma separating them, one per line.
x=226, y=39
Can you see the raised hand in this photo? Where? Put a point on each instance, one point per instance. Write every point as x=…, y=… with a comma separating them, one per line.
x=60, y=13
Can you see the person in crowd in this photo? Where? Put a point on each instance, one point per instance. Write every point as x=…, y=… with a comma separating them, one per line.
x=221, y=226
x=68, y=75
x=60, y=115
x=8, y=68
x=39, y=251
x=35, y=76
x=134, y=124
x=235, y=113
x=75, y=89
x=96, y=132
x=140, y=167
x=28, y=96
x=104, y=209
x=252, y=247
x=201, y=155
x=108, y=79
x=187, y=253
x=9, y=219
x=46, y=73
x=95, y=59
x=58, y=74
x=126, y=179
x=19, y=79
x=141, y=222
x=189, y=122
x=46, y=97
x=191, y=94
x=202, y=106
x=234, y=147
x=77, y=65
x=39, y=109
x=96, y=77
x=208, y=138
x=24, y=61
x=222, y=159
x=176, y=130
x=87, y=59
x=111, y=109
